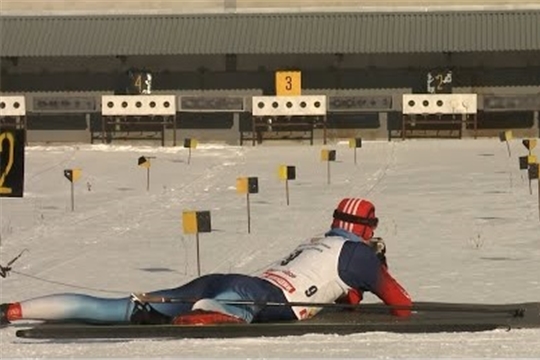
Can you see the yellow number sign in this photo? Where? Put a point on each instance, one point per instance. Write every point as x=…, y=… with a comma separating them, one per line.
x=288, y=83
x=11, y=163
x=5, y=170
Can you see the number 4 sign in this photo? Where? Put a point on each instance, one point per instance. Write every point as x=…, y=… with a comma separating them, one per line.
x=288, y=83
x=11, y=163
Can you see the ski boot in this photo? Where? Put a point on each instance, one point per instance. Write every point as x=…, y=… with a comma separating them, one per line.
x=144, y=314
x=3, y=315
x=9, y=312
x=204, y=317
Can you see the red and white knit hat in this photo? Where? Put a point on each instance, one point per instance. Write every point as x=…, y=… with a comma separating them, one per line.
x=356, y=216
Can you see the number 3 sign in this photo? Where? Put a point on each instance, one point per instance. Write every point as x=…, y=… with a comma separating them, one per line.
x=11, y=163
x=288, y=83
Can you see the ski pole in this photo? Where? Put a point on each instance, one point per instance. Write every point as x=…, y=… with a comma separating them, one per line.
x=4, y=270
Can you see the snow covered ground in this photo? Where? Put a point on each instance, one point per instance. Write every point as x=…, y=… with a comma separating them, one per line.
x=457, y=216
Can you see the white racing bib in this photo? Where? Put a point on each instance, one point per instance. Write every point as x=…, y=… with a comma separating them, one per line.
x=309, y=274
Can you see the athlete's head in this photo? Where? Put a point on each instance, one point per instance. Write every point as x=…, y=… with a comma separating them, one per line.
x=356, y=216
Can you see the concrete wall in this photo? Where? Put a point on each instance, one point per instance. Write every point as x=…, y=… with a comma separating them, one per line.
x=58, y=136
x=200, y=6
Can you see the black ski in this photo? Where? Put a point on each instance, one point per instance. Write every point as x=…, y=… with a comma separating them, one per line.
x=436, y=318
x=235, y=330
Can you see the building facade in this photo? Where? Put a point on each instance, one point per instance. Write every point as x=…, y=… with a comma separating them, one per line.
x=40, y=7
x=234, y=48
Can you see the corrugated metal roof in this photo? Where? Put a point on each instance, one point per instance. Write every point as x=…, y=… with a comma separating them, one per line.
x=312, y=33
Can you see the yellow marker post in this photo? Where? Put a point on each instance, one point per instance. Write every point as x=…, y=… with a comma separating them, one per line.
x=531, y=160
x=190, y=144
x=530, y=144
x=355, y=144
x=288, y=83
x=328, y=156
x=525, y=163
x=533, y=175
x=287, y=173
x=506, y=136
x=195, y=222
x=247, y=185
x=144, y=162
x=72, y=175
x=189, y=222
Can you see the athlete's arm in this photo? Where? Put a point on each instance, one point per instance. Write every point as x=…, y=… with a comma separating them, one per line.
x=392, y=293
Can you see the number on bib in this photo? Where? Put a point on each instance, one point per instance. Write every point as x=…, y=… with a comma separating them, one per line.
x=291, y=257
x=311, y=291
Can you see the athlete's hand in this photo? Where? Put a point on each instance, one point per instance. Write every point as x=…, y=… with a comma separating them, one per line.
x=352, y=297
x=379, y=246
x=4, y=271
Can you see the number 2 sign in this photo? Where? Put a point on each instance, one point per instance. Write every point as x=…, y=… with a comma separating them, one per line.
x=439, y=82
x=11, y=163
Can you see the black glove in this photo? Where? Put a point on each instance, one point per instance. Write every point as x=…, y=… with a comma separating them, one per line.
x=4, y=271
